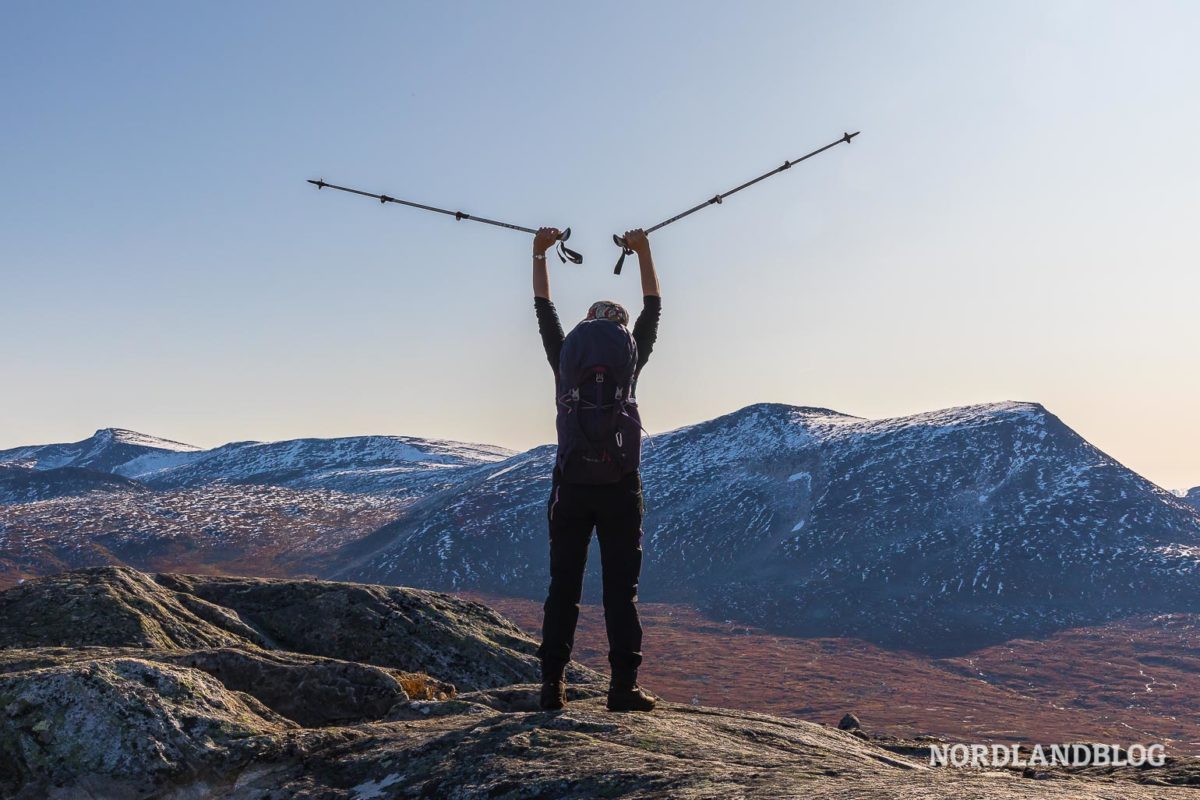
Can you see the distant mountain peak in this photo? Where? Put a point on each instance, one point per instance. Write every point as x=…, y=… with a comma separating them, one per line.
x=1006, y=409
x=106, y=450
x=789, y=410
x=759, y=423
x=131, y=437
x=970, y=416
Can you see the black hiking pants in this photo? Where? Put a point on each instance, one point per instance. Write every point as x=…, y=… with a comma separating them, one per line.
x=615, y=511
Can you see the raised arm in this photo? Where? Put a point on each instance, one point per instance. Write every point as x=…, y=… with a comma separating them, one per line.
x=645, y=329
x=548, y=325
x=638, y=243
x=542, y=241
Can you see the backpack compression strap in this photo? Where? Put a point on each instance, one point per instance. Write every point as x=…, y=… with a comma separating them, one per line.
x=572, y=401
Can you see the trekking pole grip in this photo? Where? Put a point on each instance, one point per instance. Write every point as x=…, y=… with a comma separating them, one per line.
x=565, y=253
x=620, y=242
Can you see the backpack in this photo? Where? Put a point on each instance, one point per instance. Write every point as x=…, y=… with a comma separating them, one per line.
x=599, y=428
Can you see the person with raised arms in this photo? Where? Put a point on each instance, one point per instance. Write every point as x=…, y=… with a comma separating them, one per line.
x=596, y=483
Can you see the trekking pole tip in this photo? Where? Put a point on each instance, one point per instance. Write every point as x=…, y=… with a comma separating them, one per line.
x=319, y=183
x=846, y=137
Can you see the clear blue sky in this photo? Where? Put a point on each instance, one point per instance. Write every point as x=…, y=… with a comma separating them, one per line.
x=1018, y=219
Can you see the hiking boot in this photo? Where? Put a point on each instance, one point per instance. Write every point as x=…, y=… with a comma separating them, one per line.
x=554, y=695
x=630, y=698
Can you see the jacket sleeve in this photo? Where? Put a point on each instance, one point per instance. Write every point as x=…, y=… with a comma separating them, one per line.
x=550, y=329
x=645, y=330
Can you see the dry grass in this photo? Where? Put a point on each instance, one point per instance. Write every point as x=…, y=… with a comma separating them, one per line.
x=419, y=686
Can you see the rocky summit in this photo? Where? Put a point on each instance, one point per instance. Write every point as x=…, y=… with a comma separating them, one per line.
x=120, y=684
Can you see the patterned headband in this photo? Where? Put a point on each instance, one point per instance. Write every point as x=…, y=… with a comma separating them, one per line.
x=606, y=309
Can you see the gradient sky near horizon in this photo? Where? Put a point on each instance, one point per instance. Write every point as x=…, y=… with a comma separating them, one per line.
x=1017, y=221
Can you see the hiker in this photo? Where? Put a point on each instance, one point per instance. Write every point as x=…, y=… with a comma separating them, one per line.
x=596, y=483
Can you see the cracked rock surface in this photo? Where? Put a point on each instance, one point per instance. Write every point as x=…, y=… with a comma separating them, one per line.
x=118, y=684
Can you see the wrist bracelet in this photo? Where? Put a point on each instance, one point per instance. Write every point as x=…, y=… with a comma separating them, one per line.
x=539, y=256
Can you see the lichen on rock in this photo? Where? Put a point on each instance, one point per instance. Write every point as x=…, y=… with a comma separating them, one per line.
x=127, y=719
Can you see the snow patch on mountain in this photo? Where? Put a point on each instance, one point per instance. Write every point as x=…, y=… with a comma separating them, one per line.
x=106, y=436
x=146, y=465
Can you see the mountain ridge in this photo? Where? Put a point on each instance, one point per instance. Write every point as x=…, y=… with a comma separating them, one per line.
x=817, y=523
x=952, y=529
x=351, y=463
x=104, y=450
x=21, y=484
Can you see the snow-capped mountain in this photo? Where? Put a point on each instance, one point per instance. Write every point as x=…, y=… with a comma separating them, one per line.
x=107, y=450
x=399, y=465
x=1192, y=497
x=20, y=484
x=261, y=508
x=938, y=531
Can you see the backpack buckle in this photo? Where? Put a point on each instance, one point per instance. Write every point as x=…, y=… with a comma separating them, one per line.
x=599, y=377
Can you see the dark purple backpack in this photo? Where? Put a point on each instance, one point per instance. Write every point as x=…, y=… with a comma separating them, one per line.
x=599, y=429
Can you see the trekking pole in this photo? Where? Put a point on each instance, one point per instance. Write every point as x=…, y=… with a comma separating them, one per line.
x=564, y=253
x=625, y=251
